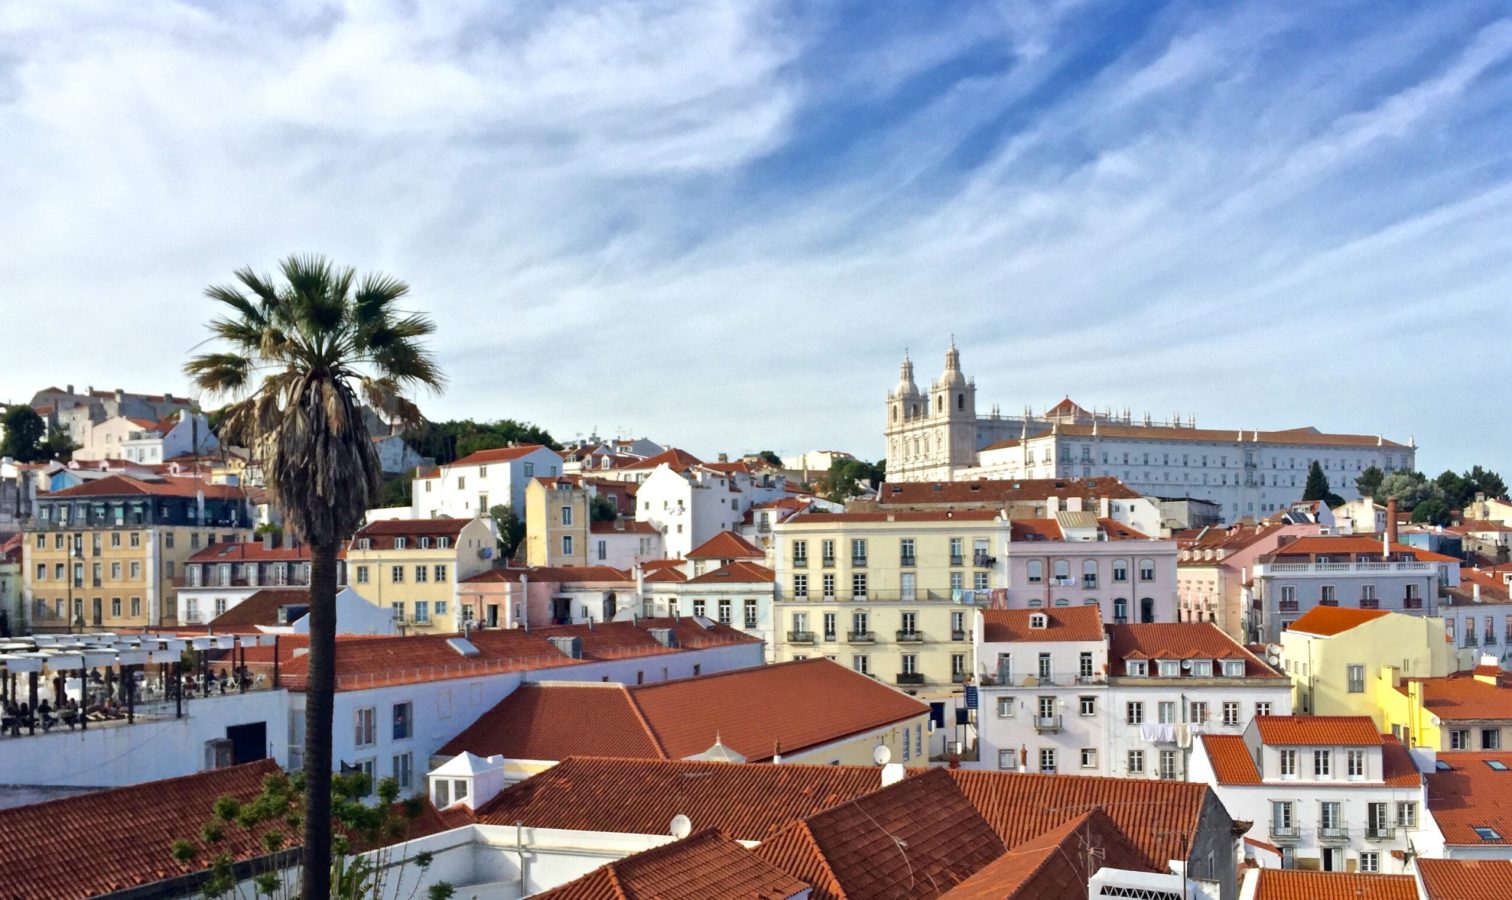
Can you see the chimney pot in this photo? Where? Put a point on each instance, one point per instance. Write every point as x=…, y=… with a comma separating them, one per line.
x=1391, y=524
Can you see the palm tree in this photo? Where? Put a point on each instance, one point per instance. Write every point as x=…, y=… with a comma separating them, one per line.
x=296, y=356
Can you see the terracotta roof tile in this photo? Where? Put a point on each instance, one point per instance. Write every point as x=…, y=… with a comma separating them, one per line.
x=1054, y=864
x=702, y=865
x=798, y=705
x=85, y=846
x=1397, y=765
x=739, y=572
x=727, y=545
x=1231, y=760
x=1320, y=731
x=1465, y=879
x=1296, y=884
x=1305, y=436
x=1469, y=795
x=1327, y=621
x=250, y=551
x=167, y=486
x=1157, y=816
x=747, y=802
x=1464, y=698
x=1182, y=640
x=622, y=526
x=1359, y=545
x=822, y=519
x=261, y=607
x=675, y=458
x=999, y=492
x=1072, y=623
x=915, y=838
x=383, y=532
x=562, y=574
x=498, y=455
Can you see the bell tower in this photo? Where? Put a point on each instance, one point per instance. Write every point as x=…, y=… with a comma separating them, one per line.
x=906, y=409
x=952, y=403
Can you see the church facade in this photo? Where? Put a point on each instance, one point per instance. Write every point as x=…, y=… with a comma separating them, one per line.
x=937, y=435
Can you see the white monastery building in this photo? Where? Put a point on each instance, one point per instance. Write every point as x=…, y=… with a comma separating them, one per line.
x=938, y=436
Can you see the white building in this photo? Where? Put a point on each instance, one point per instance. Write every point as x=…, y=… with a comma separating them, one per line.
x=1062, y=693
x=690, y=502
x=938, y=435
x=1323, y=792
x=723, y=579
x=476, y=483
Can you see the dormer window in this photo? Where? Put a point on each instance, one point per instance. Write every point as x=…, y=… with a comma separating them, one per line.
x=1136, y=667
x=1170, y=668
x=443, y=543
x=1037, y=620
x=1202, y=668
x=365, y=544
x=1233, y=668
x=400, y=543
x=425, y=543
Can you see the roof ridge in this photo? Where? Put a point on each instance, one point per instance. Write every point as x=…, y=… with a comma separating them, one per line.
x=640, y=716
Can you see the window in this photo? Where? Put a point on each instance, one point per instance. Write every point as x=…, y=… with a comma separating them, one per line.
x=1168, y=765
x=1407, y=814
x=957, y=551
x=861, y=663
x=1007, y=759
x=422, y=612
x=1146, y=570
x=367, y=767
x=366, y=727
x=1047, y=760
x=1288, y=763
x=440, y=573
x=1085, y=666
x=1487, y=834
x=1202, y=668
x=566, y=545
x=858, y=586
x=1134, y=712
x=1370, y=861
x=1328, y=596
x=906, y=551
x=396, y=574
x=1005, y=707
x=828, y=584
x=1490, y=738
x=1088, y=758
x=1281, y=817
x=1136, y=667
x=115, y=606
x=1036, y=571
x=982, y=581
x=1377, y=820
x=136, y=606
x=1262, y=709
x=420, y=574
x=829, y=626
x=1330, y=817
x=1169, y=668
x=1198, y=710
x=400, y=543
x=566, y=515
x=1459, y=739
x=1230, y=712
x=1136, y=762
x=403, y=720
x=750, y=614
x=1355, y=763
x=1323, y=763
x=1088, y=706
x=362, y=574
x=1167, y=712
x=724, y=610
x=858, y=552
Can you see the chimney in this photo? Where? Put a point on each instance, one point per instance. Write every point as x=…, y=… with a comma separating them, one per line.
x=1391, y=526
x=724, y=457
x=269, y=540
x=70, y=389
x=1475, y=591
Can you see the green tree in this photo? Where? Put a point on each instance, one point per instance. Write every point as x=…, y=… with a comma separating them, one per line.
x=511, y=529
x=451, y=440
x=1317, y=483
x=1408, y=489
x=295, y=355
x=1483, y=481
x=396, y=490
x=1369, y=481
x=24, y=433
x=846, y=476
x=602, y=509
x=771, y=457
x=1433, y=511
x=58, y=446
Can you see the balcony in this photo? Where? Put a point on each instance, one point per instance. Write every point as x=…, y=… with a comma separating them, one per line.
x=910, y=637
x=957, y=560
x=800, y=637
x=958, y=635
x=983, y=561
x=911, y=678
x=1412, y=603
x=828, y=562
x=1380, y=832
x=858, y=562
x=829, y=637
x=860, y=637
x=1047, y=724
x=1331, y=568
x=957, y=677
x=1333, y=832
x=1284, y=832
x=908, y=562
x=800, y=562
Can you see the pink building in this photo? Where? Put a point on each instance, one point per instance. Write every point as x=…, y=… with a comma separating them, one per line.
x=1215, y=563
x=1078, y=559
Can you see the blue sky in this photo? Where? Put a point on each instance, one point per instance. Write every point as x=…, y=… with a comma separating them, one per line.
x=721, y=224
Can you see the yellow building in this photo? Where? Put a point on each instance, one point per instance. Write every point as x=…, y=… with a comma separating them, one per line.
x=1466, y=711
x=1334, y=656
x=413, y=566
x=884, y=593
x=109, y=553
x=556, y=522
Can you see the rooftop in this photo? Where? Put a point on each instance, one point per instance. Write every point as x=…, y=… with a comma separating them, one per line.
x=1463, y=697
x=157, y=486
x=739, y=572
x=829, y=519
x=1318, y=731
x=1055, y=529
x=1327, y=621
x=261, y=608
x=1071, y=623
x=1182, y=641
x=1467, y=792
x=1003, y=491
x=1465, y=879
x=251, y=551
x=1054, y=864
x=702, y=865
x=798, y=705
x=498, y=455
x=1306, y=436
x=726, y=545
x=1296, y=884
x=1357, y=545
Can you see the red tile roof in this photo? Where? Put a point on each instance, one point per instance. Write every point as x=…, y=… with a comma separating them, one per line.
x=679, y=460
x=1158, y=817
x=1471, y=794
x=250, y=551
x=119, y=839
x=1296, y=884
x=383, y=532
x=1327, y=621
x=798, y=705
x=727, y=545
x=555, y=574
x=1231, y=759
x=1462, y=698
x=1397, y=765
x=736, y=573
x=168, y=486
x=261, y=607
x=703, y=865
x=817, y=517
x=1336, y=545
x=1465, y=879
x=1318, y=731
x=1055, y=863
x=1182, y=640
x=915, y=839
x=1072, y=623
x=745, y=801
x=1306, y=436
x=622, y=526
x=498, y=455
x=990, y=492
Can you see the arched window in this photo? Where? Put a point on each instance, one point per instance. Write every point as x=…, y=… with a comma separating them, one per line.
x=960, y=401
x=1036, y=572
x=1062, y=569
x=939, y=404
x=1089, y=573
x=1120, y=570
x=1146, y=570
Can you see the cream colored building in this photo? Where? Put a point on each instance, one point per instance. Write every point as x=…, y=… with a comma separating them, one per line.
x=413, y=566
x=556, y=522
x=1334, y=657
x=887, y=594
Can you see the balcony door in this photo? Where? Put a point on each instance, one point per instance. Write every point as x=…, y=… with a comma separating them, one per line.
x=908, y=583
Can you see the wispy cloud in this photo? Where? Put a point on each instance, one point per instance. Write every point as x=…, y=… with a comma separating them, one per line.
x=720, y=223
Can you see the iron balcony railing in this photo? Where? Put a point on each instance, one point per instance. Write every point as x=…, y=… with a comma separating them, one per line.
x=1284, y=832
x=1379, y=832
x=1047, y=724
x=911, y=678
x=1333, y=832
x=910, y=636
x=860, y=637
x=800, y=637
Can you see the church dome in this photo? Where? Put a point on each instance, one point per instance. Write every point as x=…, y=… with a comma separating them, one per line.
x=906, y=387
x=952, y=377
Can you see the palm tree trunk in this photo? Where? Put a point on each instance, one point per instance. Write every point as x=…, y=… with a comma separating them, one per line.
x=320, y=694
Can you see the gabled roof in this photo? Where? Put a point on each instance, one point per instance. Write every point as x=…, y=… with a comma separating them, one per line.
x=1350, y=545
x=1465, y=879
x=915, y=838
x=1231, y=760
x=796, y=705
x=632, y=796
x=740, y=572
x=1318, y=731
x=1054, y=529
x=1182, y=640
x=1054, y=864
x=1463, y=698
x=1071, y=623
x=251, y=551
x=990, y=492
x=119, y=839
x=1327, y=621
x=555, y=574
x=1297, y=884
x=498, y=455
x=1158, y=817
x=726, y=545
x=261, y=607
x=162, y=486
x=703, y=865
x=678, y=460
x=383, y=531
x=1470, y=794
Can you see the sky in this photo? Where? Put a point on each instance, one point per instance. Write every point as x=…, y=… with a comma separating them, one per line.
x=721, y=224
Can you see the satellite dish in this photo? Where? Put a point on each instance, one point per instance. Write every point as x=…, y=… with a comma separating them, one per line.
x=881, y=755
x=682, y=826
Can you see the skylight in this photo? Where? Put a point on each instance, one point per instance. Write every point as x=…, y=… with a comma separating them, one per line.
x=1497, y=765
x=1487, y=834
x=1442, y=766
